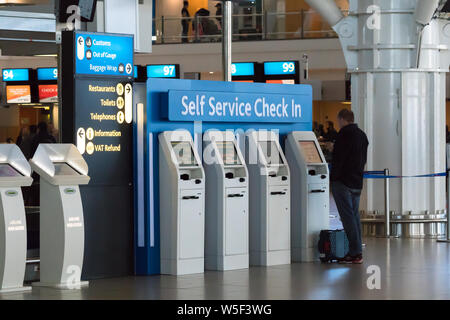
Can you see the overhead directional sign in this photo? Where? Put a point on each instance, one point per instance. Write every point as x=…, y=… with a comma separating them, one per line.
x=47, y=74
x=15, y=75
x=104, y=54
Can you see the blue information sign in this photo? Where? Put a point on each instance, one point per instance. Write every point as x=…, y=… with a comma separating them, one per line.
x=238, y=107
x=104, y=54
x=243, y=69
x=15, y=75
x=46, y=74
x=279, y=68
x=162, y=71
x=136, y=73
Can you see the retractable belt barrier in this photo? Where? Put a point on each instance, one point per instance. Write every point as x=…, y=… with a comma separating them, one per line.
x=381, y=175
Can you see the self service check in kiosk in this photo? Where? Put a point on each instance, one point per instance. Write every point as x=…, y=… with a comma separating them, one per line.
x=14, y=173
x=61, y=169
x=182, y=204
x=310, y=194
x=270, y=212
x=227, y=203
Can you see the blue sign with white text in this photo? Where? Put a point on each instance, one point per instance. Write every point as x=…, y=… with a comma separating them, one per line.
x=47, y=74
x=161, y=71
x=243, y=69
x=104, y=54
x=279, y=68
x=16, y=75
x=238, y=107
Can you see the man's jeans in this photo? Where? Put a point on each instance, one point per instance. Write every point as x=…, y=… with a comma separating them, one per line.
x=347, y=202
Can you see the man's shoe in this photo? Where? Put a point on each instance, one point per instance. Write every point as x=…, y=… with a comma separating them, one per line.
x=348, y=259
x=358, y=259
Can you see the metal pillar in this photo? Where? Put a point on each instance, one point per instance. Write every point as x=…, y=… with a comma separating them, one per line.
x=227, y=39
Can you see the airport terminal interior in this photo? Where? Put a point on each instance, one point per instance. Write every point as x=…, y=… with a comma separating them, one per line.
x=189, y=150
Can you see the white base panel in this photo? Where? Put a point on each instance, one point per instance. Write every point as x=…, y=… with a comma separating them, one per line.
x=227, y=263
x=62, y=286
x=182, y=267
x=15, y=290
x=271, y=258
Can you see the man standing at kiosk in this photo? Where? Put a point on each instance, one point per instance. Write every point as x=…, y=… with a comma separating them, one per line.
x=347, y=170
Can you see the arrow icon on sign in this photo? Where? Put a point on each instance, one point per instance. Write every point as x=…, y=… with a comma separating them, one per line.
x=80, y=40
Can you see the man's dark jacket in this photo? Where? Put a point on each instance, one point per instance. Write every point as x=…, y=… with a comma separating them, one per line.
x=349, y=157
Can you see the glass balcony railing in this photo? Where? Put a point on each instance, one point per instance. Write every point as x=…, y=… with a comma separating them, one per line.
x=266, y=26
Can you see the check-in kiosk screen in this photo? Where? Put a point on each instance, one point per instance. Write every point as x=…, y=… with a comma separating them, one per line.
x=310, y=152
x=63, y=169
x=7, y=171
x=229, y=153
x=271, y=152
x=184, y=153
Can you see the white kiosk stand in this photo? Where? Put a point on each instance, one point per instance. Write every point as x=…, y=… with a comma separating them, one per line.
x=310, y=194
x=227, y=203
x=62, y=169
x=270, y=206
x=14, y=173
x=182, y=205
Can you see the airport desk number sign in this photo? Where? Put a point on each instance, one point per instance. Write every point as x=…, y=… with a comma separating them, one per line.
x=47, y=74
x=243, y=69
x=161, y=71
x=15, y=75
x=104, y=54
x=279, y=68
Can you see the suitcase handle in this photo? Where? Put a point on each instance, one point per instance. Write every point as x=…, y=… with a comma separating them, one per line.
x=317, y=191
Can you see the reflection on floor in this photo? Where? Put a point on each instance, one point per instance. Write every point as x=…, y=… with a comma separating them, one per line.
x=410, y=269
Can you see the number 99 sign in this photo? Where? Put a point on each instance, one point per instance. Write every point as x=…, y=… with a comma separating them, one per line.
x=288, y=67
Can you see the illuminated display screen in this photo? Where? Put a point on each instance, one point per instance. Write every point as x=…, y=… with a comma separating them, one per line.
x=162, y=71
x=228, y=153
x=18, y=94
x=136, y=73
x=15, y=75
x=271, y=152
x=243, y=69
x=279, y=68
x=310, y=152
x=7, y=171
x=184, y=153
x=47, y=74
x=63, y=169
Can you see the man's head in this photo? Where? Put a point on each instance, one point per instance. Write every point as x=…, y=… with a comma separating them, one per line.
x=185, y=4
x=345, y=117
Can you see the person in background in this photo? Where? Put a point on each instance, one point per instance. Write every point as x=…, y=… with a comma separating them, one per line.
x=9, y=141
x=219, y=14
x=185, y=21
x=316, y=129
x=447, y=134
x=331, y=133
x=25, y=140
x=321, y=131
x=347, y=170
x=42, y=136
